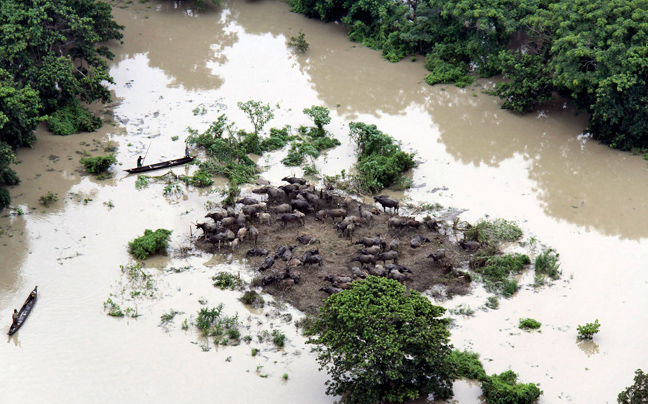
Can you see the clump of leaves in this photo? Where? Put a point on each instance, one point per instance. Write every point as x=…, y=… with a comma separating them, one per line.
x=547, y=263
x=200, y=179
x=299, y=42
x=48, y=198
x=443, y=72
x=277, y=139
x=492, y=302
x=529, y=324
x=498, y=230
x=96, y=165
x=381, y=162
x=255, y=351
x=638, y=392
x=151, y=242
x=467, y=365
x=504, y=389
x=226, y=280
x=212, y=322
x=253, y=299
x=142, y=181
x=588, y=330
x=72, y=118
x=113, y=308
x=497, y=270
x=278, y=338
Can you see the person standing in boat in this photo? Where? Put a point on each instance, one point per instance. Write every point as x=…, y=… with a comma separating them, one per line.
x=33, y=293
x=15, y=316
x=187, y=151
x=139, y=161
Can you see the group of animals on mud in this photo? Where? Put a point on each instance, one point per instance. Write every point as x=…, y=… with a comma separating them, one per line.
x=287, y=208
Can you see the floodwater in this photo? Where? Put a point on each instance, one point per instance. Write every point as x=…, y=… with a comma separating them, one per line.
x=178, y=68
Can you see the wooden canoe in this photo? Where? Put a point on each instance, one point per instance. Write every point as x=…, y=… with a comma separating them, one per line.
x=162, y=164
x=24, y=311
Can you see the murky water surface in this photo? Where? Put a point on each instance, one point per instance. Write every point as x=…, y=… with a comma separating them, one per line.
x=178, y=68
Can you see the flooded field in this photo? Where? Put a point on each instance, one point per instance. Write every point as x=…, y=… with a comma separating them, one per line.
x=177, y=69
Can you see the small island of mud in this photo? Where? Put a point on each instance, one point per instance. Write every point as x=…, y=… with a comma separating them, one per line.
x=432, y=265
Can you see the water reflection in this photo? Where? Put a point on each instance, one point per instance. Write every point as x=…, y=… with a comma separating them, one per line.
x=588, y=346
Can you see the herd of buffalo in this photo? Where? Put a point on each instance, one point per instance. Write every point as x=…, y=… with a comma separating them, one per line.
x=324, y=225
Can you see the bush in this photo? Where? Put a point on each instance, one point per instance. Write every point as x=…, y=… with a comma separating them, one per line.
x=638, y=392
x=498, y=230
x=498, y=269
x=9, y=177
x=225, y=280
x=49, y=198
x=588, y=330
x=547, y=263
x=504, y=389
x=151, y=242
x=95, y=165
x=278, y=338
x=299, y=42
x=467, y=365
x=529, y=323
x=381, y=162
x=72, y=118
x=200, y=179
x=212, y=322
x=253, y=299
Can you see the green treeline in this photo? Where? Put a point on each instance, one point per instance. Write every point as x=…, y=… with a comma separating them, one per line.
x=49, y=61
x=594, y=52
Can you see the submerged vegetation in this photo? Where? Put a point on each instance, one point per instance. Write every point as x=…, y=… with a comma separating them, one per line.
x=588, y=330
x=152, y=242
x=529, y=323
x=226, y=280
x=96, y=165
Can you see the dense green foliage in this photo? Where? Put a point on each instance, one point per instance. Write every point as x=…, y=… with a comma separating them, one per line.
x=504, y=389
x=152, y=242
x=95, y=165
x=381, y=162
x=493, y=231
x=529, y=323
x=593, y=51
x=497, y=272
x=226, y=280
x=381, y=342
x=467, y=365
x=638, y=392
x=299, y=42
x=49, y=57
x=72, y=118
x=588, y=330
x=547, y=263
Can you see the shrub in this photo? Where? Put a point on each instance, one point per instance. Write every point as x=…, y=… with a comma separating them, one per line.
x=9, y=177
x=486, y=231
x=547, y=263
x=278, y=338
x=113, y=308
x=278, y=139
x=212, y=322
x=72, y=118
x=504, y=389
x=588, y=330
x=299, y=42
x=381, y=162
x=492, y=302
x=151, y=242
x=529, y=323
x=638, y=392
x=95, y=165
x=225, y=280
x=200, y=179
x=253, y=299
x=498, y=269
x=467, y=365
x=50, y=197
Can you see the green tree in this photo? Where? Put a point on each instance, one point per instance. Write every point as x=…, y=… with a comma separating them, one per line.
x=504, y=389
x=382, y=342
x=258, y=113
x=320, y=116
x=19, y=112
x=638, y=392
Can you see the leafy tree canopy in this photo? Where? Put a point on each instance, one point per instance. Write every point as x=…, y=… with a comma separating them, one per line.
x=638, y=392
x=381, y=342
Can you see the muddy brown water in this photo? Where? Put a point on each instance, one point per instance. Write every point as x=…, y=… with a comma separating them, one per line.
x=581, y=198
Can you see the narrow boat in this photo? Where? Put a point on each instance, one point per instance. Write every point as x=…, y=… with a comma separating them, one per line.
x=162, y=164
x=24, y=311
